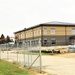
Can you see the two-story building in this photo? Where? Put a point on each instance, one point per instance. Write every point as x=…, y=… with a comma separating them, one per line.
x=49, y=34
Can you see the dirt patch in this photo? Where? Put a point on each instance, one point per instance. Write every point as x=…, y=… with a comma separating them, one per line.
x=34, y=71
x=66, y=55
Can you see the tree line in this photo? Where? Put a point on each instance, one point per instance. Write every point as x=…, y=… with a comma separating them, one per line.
x=4, y=40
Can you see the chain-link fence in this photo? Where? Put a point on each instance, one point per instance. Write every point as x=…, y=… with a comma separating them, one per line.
x=25, y=55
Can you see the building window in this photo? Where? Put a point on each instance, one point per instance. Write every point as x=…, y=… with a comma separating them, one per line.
x=37, y=32
x=45, y=42
x=28, y=43
x=21, y=35
x=34, y=32
x=45, y=30
x=73, y=30
x=53, y=41
x=52, y=31
x=25, y=44
x=37, y=42
x=30, y=34
x=40, y=31
x=32, y=43
x=26, y=34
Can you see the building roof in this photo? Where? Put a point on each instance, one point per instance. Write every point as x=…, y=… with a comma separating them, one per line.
x=58, y=23
x=53, y=23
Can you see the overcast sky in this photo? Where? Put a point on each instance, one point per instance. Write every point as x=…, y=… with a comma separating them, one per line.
x=18, y=14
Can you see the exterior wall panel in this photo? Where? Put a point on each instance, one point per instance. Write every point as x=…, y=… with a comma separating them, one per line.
x=61, y=36
x=58, y=30
x=60, y=40
x=69, y=30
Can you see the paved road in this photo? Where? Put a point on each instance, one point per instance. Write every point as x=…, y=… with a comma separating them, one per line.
x=51, y=64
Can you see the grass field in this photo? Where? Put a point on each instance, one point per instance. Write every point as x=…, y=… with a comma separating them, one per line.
x=7, y=68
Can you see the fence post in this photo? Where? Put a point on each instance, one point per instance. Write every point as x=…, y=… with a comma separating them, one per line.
x=30, y=48
x=40, y=56
x=28, y=57
x=24, y=53
x=17, y=52
x=31, y=54
x=0, y=53
x=7, y=52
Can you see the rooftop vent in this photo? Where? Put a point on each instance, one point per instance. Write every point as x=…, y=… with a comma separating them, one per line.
x=24, y=28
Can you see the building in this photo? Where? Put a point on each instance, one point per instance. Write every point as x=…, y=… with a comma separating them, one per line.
x=49, y=34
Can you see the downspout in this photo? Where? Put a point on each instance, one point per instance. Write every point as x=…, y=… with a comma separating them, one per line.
x=24, y=48
x=25, y=35
x=33, y=36
x=41, y=35
x=20, y=38
x=65, y=35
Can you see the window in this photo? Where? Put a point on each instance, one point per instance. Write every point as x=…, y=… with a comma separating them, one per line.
x=35, y=32
x=40, y=31
x=21, y=35
x=30, y=33
x=26, y=34
x=25, y=43
x=32, y=43
x=45, y=30
x=45, y=42
x=37, y=42
x=73, y=30
x=52, y=31
x=28, y=43
x=53, y=41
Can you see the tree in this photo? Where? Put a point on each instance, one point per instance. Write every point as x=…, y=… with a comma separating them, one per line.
x=8, y=39
x=2, y=36
x=2, y=39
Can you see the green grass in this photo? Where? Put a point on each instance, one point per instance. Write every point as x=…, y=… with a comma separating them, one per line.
x=7, y=68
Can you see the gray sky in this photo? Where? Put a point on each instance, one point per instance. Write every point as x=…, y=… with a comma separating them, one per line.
x=18, y=14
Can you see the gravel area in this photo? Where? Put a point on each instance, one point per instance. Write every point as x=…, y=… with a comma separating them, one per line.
x=58, y=65
x=63, y=64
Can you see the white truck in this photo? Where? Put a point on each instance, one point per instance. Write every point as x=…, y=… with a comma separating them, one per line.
x=71, y=48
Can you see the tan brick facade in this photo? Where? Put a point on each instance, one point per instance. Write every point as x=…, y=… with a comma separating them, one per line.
x=50, y=34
